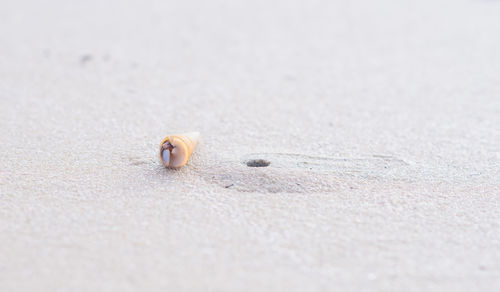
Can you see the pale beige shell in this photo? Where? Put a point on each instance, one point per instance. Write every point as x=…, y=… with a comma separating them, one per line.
x=175, y=150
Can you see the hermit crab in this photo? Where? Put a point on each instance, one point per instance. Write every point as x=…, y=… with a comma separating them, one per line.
x=175, y=150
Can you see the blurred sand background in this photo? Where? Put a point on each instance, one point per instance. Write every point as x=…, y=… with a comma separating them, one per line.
x=381, y=120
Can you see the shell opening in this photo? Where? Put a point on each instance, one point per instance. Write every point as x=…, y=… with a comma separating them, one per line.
x=165, y=155
x=166, y=152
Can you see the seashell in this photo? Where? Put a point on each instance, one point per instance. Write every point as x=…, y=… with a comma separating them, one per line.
x=175, y=150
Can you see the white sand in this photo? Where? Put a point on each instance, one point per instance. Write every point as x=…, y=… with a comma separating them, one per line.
x=381, y=120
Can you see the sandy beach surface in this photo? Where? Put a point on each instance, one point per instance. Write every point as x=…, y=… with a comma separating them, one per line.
x=381, y=121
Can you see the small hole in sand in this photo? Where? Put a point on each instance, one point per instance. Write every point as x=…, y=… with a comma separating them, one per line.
x=258, y=163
